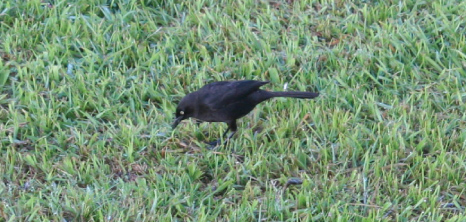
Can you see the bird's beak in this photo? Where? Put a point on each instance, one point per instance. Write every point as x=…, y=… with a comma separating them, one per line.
x=177, y=121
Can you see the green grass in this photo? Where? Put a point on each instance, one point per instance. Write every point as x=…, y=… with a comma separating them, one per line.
x=88, y=90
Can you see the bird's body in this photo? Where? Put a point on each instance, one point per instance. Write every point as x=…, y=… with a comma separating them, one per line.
x=227, y=101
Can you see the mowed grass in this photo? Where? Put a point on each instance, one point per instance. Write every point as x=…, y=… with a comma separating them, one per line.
x=88, y=90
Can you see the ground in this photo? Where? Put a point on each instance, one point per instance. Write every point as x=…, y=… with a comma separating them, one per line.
x=88, y=91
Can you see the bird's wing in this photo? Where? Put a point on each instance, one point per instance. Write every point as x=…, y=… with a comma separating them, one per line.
x=220, y=94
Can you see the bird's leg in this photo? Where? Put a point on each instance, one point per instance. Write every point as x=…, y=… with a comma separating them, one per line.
x=216, y=142
x=231, y=126
x=229, y=137
x=225, y=133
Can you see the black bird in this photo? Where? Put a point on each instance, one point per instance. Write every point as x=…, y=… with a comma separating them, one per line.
x=227, y=101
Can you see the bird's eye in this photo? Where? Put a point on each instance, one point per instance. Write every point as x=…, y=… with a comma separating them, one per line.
x=182, y=112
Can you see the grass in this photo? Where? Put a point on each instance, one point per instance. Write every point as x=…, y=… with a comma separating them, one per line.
x=88, y=90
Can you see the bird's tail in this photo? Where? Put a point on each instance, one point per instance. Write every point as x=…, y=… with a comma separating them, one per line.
x=300, y=95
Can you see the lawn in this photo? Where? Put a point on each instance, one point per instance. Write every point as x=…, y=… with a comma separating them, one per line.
x=88, y=91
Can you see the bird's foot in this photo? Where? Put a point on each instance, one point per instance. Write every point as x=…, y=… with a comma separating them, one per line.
x=215, y=144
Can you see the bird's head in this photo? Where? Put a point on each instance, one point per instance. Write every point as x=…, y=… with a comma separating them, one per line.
x=184, y=110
